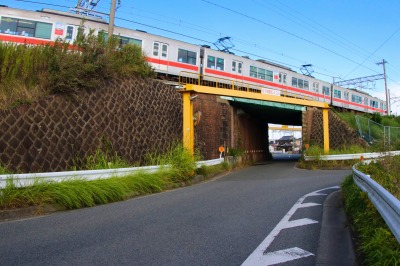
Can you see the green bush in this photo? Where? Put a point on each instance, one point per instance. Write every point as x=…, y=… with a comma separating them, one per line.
x=375, y=242
x=29, y=72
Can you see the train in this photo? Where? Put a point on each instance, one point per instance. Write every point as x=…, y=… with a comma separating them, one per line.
x=174, y=60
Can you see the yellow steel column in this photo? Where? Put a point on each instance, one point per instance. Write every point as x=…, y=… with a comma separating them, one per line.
x=187, y=121
x=325, y=119
x=191, y=149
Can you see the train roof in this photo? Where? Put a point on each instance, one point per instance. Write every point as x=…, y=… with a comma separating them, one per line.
x=68, y=14
x=274, y=64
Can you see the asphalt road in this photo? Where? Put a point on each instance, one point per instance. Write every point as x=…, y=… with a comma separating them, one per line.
x=220, y=222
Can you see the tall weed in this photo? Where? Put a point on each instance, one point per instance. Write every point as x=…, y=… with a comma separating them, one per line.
x=29, y=72
x=376, y=243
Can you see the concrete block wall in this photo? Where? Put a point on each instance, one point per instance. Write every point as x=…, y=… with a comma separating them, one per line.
x=131, y=117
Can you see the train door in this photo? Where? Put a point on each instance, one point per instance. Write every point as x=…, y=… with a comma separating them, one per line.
x=160, y=54
x=346, y=98
x=237, y=69
x=316, y=90
x=71, y=32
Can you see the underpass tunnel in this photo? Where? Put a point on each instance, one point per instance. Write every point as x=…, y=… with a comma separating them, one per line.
x=239, y=125
x=265, y=113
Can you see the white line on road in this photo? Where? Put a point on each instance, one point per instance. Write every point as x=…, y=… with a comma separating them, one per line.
x=285, y=255
x=258, y=257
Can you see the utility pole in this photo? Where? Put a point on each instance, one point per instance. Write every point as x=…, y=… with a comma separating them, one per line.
x=386, y=89
x=111, y=21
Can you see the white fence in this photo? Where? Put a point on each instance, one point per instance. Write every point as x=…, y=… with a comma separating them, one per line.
x=387, y=205
x=23, y=180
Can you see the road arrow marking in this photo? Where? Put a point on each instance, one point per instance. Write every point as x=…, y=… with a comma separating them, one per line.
x=299, y=222
x=258, y=257
x=285, y=255
x=309, y=204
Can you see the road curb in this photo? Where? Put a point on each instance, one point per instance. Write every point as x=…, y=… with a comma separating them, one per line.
x=335, y=243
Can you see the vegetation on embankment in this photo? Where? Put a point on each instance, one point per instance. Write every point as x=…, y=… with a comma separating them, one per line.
x=375, y=243
x=317, y=151
x=30, y=72
x=78, y=193
x=379, y=139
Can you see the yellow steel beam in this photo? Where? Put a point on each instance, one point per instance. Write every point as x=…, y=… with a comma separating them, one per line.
x=188, y=128
x=253, y=95
x=325, y=119
x=283, y=128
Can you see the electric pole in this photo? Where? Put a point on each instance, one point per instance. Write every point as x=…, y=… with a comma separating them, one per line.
x=111, y=21
x=386, y=89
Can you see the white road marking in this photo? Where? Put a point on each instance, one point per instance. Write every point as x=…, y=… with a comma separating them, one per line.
x=285, y=255
x=309, y=204
x=299, y=222
x=258, y=257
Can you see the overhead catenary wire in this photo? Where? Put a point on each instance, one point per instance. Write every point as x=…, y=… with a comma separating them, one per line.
x=206, y=41
x=284, y=31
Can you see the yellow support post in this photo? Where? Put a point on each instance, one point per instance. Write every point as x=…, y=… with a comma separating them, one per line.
x=325, y=119
x=188, y=132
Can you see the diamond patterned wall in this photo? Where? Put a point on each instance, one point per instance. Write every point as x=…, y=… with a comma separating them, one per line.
x=134, y=116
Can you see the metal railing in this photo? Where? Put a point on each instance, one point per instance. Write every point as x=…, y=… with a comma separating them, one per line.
x=217, y=82
x=356, y=156
x=24, y=180
x=386, y=204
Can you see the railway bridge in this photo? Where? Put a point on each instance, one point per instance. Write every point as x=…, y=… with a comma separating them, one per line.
x=243, y=102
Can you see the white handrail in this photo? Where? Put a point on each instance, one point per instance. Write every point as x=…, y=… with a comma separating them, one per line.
x=24, y=180
x=386, y=204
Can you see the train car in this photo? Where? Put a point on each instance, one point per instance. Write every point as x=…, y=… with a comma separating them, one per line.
x=174, y=59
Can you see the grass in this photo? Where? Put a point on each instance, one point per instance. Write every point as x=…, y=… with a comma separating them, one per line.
x=335, y=164
x=30, y=72
x=375, y=243
x=79, y=193
x=386, y=172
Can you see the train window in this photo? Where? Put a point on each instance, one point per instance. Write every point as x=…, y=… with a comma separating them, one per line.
x=356, y=98
x=325, y=90
x=300, y=83
x=211, y=62
x=253, y=71
x=306, y=85
x=164, y=50
x=316, y=86
x=366, y=101
x=237, y=67
x=156, y=47
x=187, y=57
x=282, y=78
x=43, y=30
x=26, y=28
x=270, y=75
x=136, y=42
x=215, y=62
x=220, y=63
x=373, y=103
x=294, y=82
x=337, y=94
x=346, y=95
x=261, y=73
x=70, y=33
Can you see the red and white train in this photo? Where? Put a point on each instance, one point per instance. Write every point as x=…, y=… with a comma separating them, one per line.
x=172, y=58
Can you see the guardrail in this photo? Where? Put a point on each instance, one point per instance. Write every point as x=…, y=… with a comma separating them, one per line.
x=386, y=204
x=356, y=156
x=24, y=180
